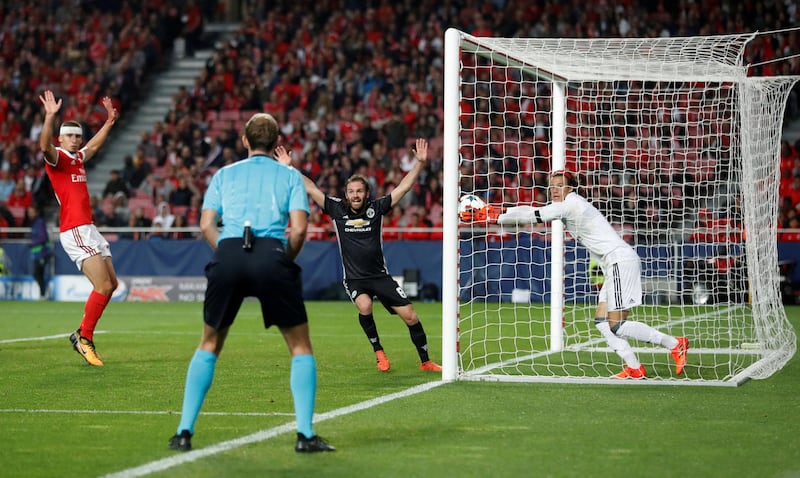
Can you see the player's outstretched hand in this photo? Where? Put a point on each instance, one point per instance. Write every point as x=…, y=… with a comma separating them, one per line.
x=48, y=99
x=283, y=156
x=113, y=114
x=486, y=215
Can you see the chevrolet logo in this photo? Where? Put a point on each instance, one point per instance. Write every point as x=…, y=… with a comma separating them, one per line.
x=357, y=223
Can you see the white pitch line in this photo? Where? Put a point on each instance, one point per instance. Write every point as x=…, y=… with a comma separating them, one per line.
x=146, y=412
x=45, y=337
x=259, y=436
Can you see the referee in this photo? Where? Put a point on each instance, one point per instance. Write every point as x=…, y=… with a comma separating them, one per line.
x=256, y=199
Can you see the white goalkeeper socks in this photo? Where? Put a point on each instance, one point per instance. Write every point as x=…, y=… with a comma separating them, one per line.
x=645, y=333
x=619, y=345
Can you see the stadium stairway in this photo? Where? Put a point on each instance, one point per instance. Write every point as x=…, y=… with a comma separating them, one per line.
x=153, y=107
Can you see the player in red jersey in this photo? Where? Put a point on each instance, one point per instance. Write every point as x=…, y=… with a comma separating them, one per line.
x=79, y=236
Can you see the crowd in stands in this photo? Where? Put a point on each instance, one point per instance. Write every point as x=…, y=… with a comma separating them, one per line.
x=352, y=83
x=83, y=52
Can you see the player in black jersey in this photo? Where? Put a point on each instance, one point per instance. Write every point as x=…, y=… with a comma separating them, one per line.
x=358, y=222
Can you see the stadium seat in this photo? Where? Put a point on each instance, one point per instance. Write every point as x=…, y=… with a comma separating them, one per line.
x=142, y=202
x=179, y=210
x=229, y=115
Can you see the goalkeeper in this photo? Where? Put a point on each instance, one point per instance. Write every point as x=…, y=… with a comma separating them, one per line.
x=622, y=287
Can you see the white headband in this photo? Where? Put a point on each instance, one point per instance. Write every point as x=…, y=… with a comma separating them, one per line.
x=71, y=130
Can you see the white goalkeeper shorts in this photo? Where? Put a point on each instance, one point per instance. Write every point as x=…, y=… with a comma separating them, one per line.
x=622, y=288
x=83, y=242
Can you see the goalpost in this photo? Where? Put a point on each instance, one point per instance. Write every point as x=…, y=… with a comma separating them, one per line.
x=674, y=144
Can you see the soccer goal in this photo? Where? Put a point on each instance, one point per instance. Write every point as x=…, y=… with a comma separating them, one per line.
x=675, y=144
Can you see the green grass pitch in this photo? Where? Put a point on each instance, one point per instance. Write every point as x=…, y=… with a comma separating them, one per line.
x=62, y=417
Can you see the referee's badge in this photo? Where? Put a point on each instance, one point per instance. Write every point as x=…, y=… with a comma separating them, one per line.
x=370, y=212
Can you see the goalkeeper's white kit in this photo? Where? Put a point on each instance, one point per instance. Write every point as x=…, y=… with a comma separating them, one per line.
x=586, y=224
x=619, y=261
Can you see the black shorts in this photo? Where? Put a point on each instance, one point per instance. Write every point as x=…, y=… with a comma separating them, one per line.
x=264, y=272
x=385, y=289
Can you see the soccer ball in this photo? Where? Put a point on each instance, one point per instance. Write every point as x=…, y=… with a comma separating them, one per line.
x=470, y=201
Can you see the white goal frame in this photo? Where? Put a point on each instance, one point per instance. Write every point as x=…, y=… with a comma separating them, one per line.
x=544, y=58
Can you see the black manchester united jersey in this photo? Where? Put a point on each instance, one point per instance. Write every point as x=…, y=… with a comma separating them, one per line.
x=360, y=242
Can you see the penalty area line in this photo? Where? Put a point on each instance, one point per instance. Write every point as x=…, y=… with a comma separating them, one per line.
x=259, y=436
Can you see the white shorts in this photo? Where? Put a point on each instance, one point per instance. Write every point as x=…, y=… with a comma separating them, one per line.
x=622, y=288
x=83, y=242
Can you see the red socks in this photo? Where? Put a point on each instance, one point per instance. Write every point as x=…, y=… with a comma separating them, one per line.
x=92, y=311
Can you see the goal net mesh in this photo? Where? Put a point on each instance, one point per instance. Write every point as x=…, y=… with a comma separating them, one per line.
x=678, y=148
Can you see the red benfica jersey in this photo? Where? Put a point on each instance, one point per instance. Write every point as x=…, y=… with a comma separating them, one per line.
x=69, y=183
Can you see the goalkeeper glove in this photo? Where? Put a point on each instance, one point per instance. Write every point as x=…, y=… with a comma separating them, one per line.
x=487, y=214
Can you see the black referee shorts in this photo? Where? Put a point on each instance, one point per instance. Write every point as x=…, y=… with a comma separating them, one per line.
x=264, y=272
x=385, y=289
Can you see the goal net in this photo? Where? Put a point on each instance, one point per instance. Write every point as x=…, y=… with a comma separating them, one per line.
x=674, y=144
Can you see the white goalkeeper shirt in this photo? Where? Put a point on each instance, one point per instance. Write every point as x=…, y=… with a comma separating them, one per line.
x=586, y=224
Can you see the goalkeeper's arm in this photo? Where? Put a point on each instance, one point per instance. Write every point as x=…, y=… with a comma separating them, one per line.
x=520, y=215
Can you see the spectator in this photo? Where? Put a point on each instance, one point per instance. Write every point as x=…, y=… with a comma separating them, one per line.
x=41, y=248
x=20, y=197
x=137, y=219
x=370, y=136
x=157, y=187
x=395, y=131
x=7, y=184
x=36, y=127
x=121, y=210
x=319, y=226
x=794, y=234
x=414, y=229
x=194, y=211
x=164, y=219
x=180, y=223
x=183, y=194
x=192, y=26
x=115, y=185
x=393, y=221
x=793, y=190
x=390, y=93
x=106, y=215
x=158, y=232
x=711, y=229
x=6, y=218
x=30, y=177
x=435, y=221
x=140, y=169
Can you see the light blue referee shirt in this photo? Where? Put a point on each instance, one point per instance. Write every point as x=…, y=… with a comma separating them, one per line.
x=257, y=189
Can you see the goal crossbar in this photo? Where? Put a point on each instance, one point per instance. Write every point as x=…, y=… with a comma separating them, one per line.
x=645, y=59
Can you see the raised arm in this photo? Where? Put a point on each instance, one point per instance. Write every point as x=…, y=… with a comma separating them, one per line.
x=100, y=137
x=51, y=107
x=313, y=191
x=421, y=153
